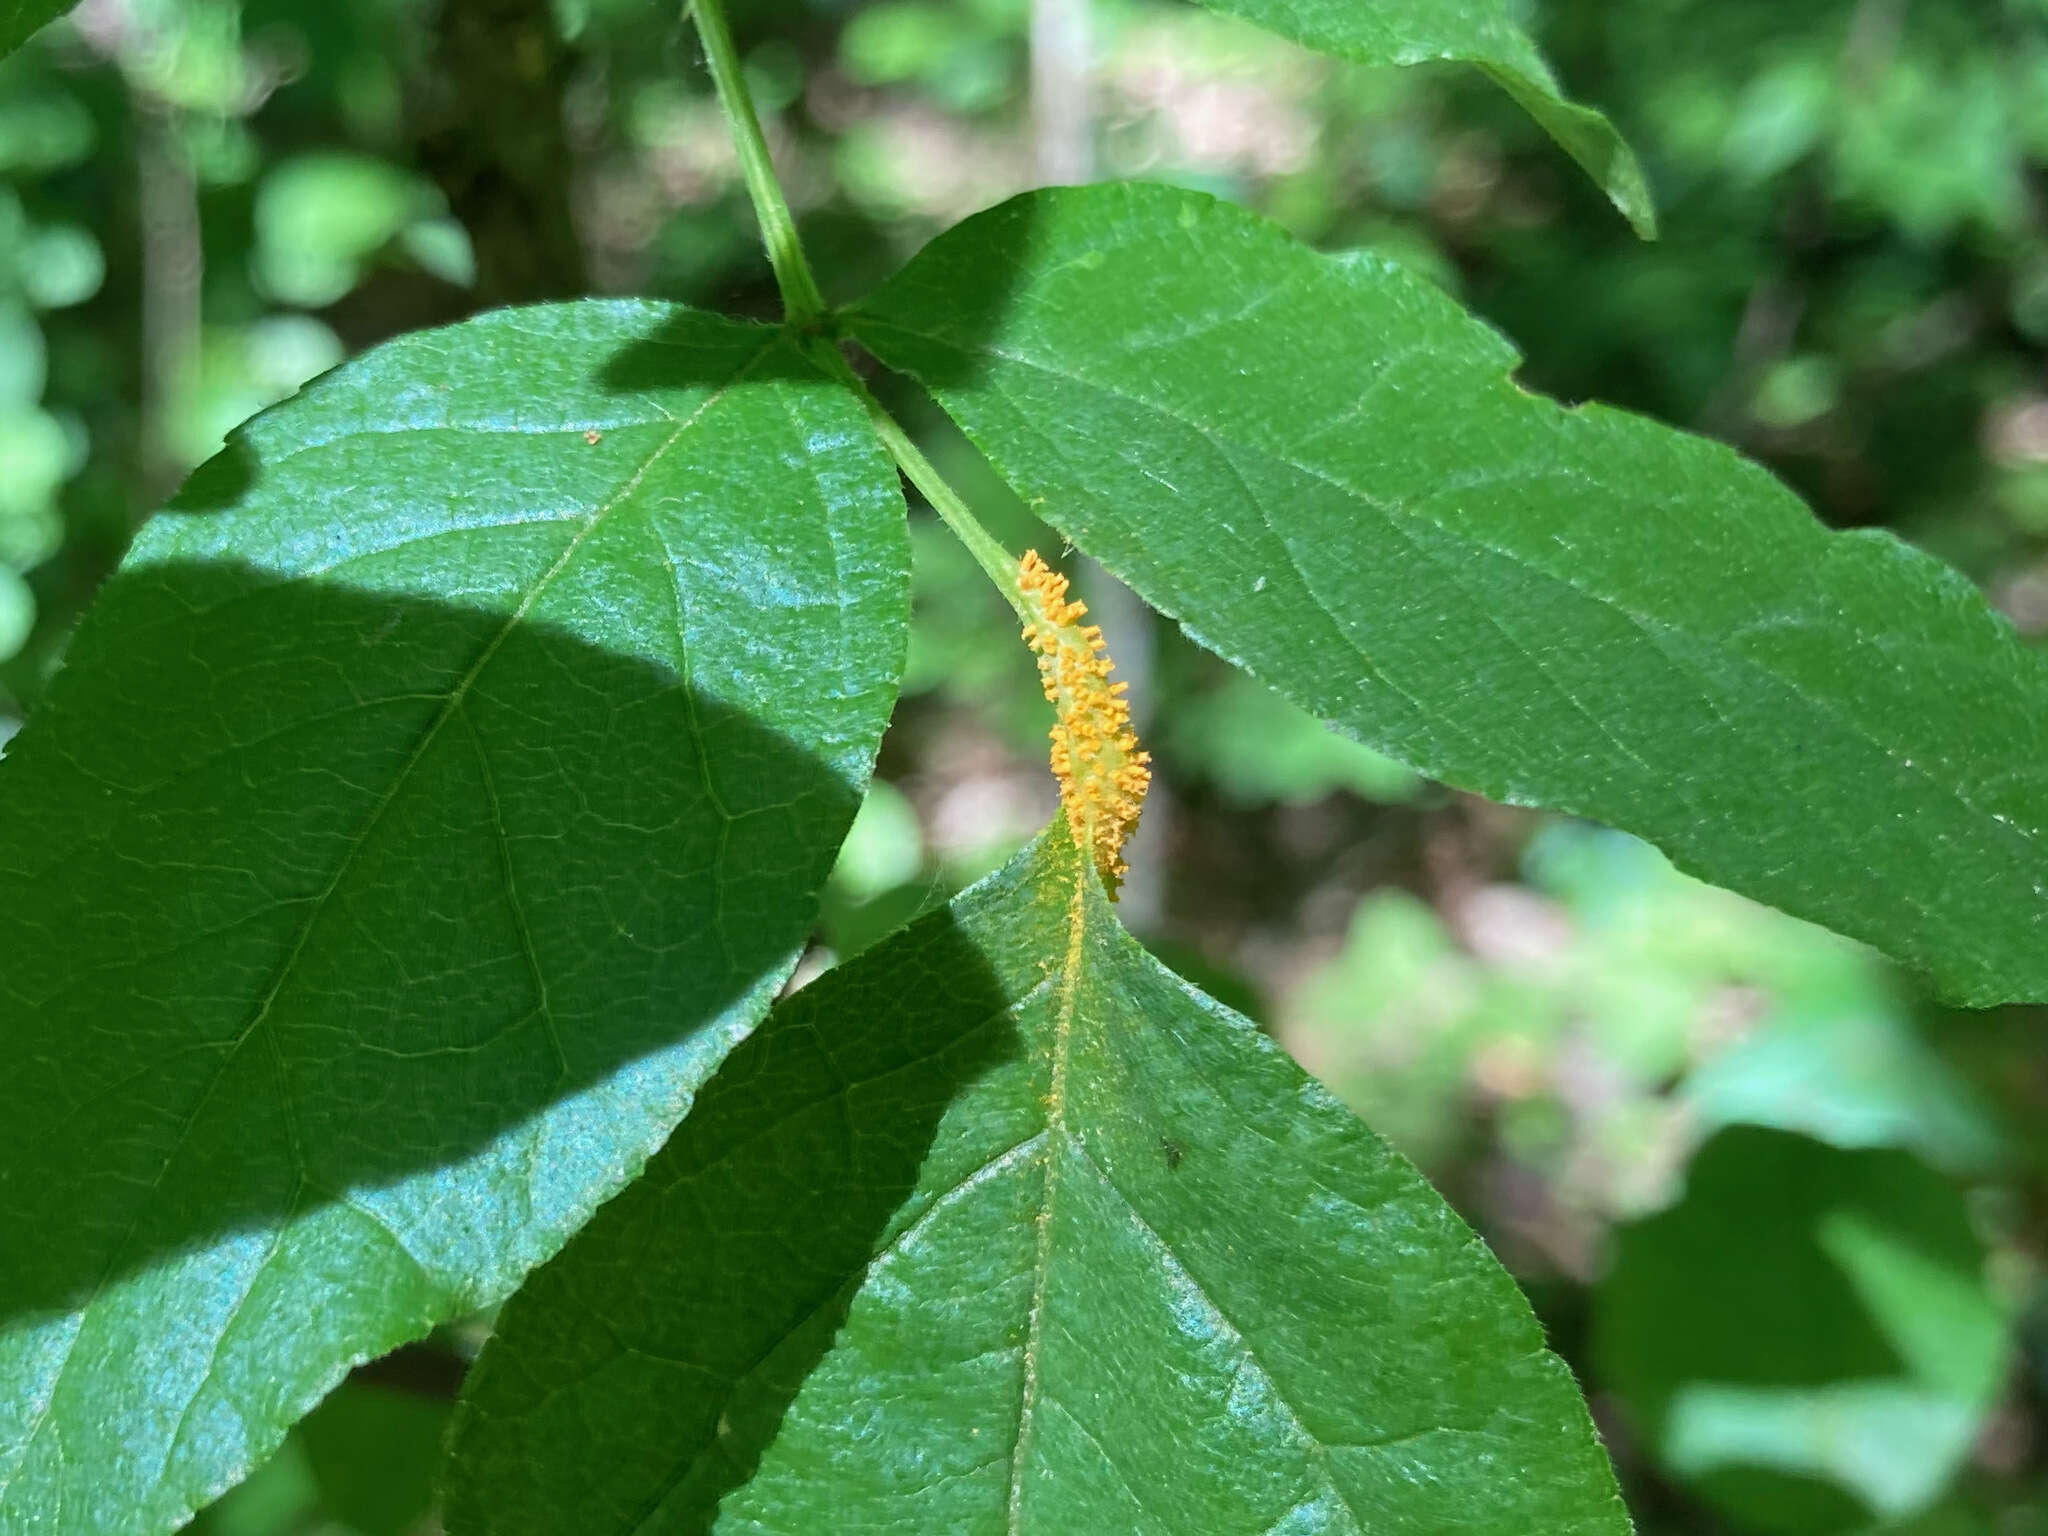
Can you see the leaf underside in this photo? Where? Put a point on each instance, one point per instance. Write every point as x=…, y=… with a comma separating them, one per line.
x=440, y=788
x=1324, y=470
x=1002, y=1227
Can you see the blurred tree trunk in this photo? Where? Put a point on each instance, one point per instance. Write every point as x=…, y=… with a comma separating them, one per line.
x=496, y=142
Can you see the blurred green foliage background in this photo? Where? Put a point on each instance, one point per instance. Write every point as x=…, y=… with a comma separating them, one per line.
x=1785, y=1217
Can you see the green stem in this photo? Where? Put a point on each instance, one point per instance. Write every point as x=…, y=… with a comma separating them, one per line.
x=802, y=303
x=988, y=551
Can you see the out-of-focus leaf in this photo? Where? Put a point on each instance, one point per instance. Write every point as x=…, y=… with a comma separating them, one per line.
x=363, y=1463
x=320, y=217
x=242, y=369
x=899, y=40
x=1857, y=1078
x=35, y=457
x=1609, y=962
x=1324, y=470
x=884, y=848
x=24, y=359
x=1395, y=1024
x=374, y=1452
x=17, y=612
x=22, y=19
x=280, y=1498
x=443, y=247
x=1478, y=32
x=1259, y=748
x=1004, y=1228
x=61, y=265
x=442, y=785
x=43, y=127
x=1808, y=1337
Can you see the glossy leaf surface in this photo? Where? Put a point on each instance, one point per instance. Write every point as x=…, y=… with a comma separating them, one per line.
x=1478, y=32
x=1002, y=1227
x=440, y=788
x=1323, y=468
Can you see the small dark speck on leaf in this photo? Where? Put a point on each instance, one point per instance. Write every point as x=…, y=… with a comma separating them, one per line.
x=1173, y=1151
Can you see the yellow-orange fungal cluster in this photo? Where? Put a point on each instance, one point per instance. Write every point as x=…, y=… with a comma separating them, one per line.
x=1103, y=776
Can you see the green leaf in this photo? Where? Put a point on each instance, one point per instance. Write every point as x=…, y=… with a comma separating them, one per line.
x=22, y=19
x=363, y=1463
x=374, y=1452
x=1261, y=750
x=1002, y=1227
x=1325, y=471
x=1852, y=1078
x=441, y=787
x=1478, y=32
x=1808, y=1337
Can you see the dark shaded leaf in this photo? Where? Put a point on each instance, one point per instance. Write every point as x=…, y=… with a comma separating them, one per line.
x=441, y=787
x=1807, y=1337
x=22, y=19
x=1002, y=1227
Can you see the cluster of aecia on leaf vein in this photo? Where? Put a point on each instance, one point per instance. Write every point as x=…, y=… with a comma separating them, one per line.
x=1103, y=776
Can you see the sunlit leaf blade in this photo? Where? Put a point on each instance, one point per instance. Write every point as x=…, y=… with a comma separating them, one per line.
x=1004, y=1228
x=22, y=19
x=1478, y=32
x=1325, y=471
x=441, y=787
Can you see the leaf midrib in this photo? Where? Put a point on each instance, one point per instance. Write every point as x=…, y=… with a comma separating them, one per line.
x=652, y=1506
x=1055, y=1134
x=990, y=1167
x=1057, y=1131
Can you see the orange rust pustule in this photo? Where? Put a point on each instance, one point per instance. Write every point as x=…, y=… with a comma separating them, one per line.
x=1103, y=775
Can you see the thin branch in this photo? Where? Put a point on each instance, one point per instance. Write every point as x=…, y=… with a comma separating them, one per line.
x=802, y=304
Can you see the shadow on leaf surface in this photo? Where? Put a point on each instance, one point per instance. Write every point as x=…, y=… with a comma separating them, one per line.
x=343, y=974
x=725, y=1273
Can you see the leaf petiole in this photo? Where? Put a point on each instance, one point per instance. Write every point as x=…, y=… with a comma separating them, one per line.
x=1000, y=565
x=804, y=305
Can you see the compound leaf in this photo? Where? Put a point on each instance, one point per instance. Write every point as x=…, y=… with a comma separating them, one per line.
x=1323, y=468
x=440, y=788
x=1004, y=1228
